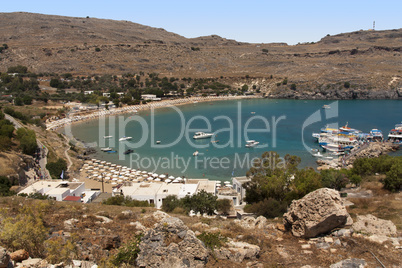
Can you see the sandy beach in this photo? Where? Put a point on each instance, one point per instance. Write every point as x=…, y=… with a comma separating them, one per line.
x=78, y=117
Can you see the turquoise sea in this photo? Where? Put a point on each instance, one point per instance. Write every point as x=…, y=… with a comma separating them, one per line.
x=284, y=126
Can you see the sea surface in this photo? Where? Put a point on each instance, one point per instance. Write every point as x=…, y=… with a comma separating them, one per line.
x=283, y=126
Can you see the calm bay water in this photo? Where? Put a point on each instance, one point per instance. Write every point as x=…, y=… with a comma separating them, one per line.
x=279, y=125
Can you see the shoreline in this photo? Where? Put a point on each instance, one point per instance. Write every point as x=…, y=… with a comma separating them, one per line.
x=57, y=124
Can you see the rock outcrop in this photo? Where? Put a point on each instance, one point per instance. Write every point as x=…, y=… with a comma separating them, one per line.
x=171, y=244
x=372, y=225
x=237, y=251
x=4, y=258
x=253, y=223
x=350, y=263
x=19, y=255
x=317, y=213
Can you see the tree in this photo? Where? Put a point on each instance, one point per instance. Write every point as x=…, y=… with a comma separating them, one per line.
x=27, y=140
x=17, y=69
x=293, y=86
x=27, y=100
x=346, y=85
x=223, y=206
x=18, y=101
x=56, y=168
x=393, y=181
x=201, y=202
x=5, y=185
x=170, y=203
x=334, y=179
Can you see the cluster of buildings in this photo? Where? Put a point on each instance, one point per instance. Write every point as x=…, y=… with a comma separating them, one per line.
x=152, y=192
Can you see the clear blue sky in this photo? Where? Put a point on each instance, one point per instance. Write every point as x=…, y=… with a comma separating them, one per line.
x=247, y=21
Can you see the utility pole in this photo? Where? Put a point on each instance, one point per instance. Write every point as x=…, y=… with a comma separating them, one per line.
x=373, y=25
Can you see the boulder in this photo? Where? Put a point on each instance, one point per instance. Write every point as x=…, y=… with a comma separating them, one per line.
x=350, y=263
x=171, y=244
x=253, y=223
x=109, y=242
x=19, y=255
x=4, y=258
x=70, y=224
x=237, y=251
x=316, y=213
x=371, y=225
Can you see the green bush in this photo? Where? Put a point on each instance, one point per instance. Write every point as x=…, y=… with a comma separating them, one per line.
x=5, y=185
x=128, y=253
x=393, y=180
x=24, y=231
x=27, y=140
x=212, y=240
x=56, y=168
x=120, y=200
x=224, y=205
x=170, y=203
x=17, y=69
x=269, y=208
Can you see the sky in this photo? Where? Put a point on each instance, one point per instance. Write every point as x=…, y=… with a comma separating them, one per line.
x=253, y=21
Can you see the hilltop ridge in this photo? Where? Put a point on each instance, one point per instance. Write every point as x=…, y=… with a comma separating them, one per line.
x=91, y=46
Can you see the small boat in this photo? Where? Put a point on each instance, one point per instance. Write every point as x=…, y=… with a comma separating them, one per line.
x=124, y=138
x=195, y=153
x=252, y=112
x=251, y=143
x=376, y=134
x=129, y=151
x=107, y=149
x=318, y=154
x=325, y=106
x=158, y=142
x=107, y=137
x=111, y=152
x=314, y=150
x=395, y=135
x=202, y=135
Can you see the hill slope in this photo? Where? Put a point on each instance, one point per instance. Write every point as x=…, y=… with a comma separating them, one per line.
x=46, y=43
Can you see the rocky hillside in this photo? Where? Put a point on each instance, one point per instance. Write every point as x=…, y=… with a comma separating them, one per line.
x=45, y=43
x=317, y=231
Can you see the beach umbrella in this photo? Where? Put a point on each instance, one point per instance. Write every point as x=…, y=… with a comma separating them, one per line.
x=175, y=181
x=115, y=176
x=144, y=172
x=145, y=176
x=179, y=179
x=108, y=163
x=157, y=179
x=227, y=182
x=107, y=178
x=155, y=175
x=171, y=177
x=113, y=165
x=162, y=176
x=114, y=183
x=114, y=179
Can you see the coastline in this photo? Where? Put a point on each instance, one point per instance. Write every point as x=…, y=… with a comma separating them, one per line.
x=70, y=119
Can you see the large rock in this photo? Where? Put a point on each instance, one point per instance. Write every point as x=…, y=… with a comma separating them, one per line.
x=371, y=225
x=237, y=251
x=19, y=255
x=171, y=244
x=350, y=263
x=4, y=258
x=252, y=223
x=317, y=213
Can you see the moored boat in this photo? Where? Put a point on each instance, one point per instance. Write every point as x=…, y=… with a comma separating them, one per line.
x=202, y=135
x=106, y=149
x=129, y=151
x=124, y=138
x=107, y=137
x=395, y=135
x=251, y=143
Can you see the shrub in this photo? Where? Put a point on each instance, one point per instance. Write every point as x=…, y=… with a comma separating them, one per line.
x=264, y=50
x=97, y=49
x=128, y=253
x=17, y=69
x=293, y=86
x=27, y=140
x=5, y=185
x=60, y=250
x=346, y=85
x=393, y=180
x=120, y=200
x=56, y=168
x=223, y=206
x=212, y=240
x=170, y=203
x=25, y=231
x=269, y=208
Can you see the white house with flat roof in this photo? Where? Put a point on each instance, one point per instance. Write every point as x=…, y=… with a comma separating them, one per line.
x=150, y=97
x=142, y=191
x=238, y=186
x=56, y=189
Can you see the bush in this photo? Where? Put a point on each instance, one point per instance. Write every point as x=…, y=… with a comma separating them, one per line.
x=269, y=208
x=97, y=49
x=60, y=250
x=346, y=85
x=393, y=180
x=27, y=140
x=170, y=203
x=56, y=168
x=128, y=253
x=223, y=206
x=201, y=202
x=25, y=231
x=212, y=240
x=17, y=69
x=120, y=200
x=5, y=185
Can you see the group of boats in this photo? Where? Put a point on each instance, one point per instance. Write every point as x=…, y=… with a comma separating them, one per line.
x=111, y=150
x=338, y=141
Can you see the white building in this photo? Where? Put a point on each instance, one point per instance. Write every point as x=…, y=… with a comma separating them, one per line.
x=88, y=92
x=106, y=94
x=238, y=183
x=150, y=97
x=56, y=189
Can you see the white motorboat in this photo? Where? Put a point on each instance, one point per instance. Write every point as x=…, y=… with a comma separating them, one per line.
x=107, y=149
x=202, y=135
x=195, y=153
x=251, y=143
x=325, y=106
x=318, y=154
x=124, y=138
x=107, y=137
